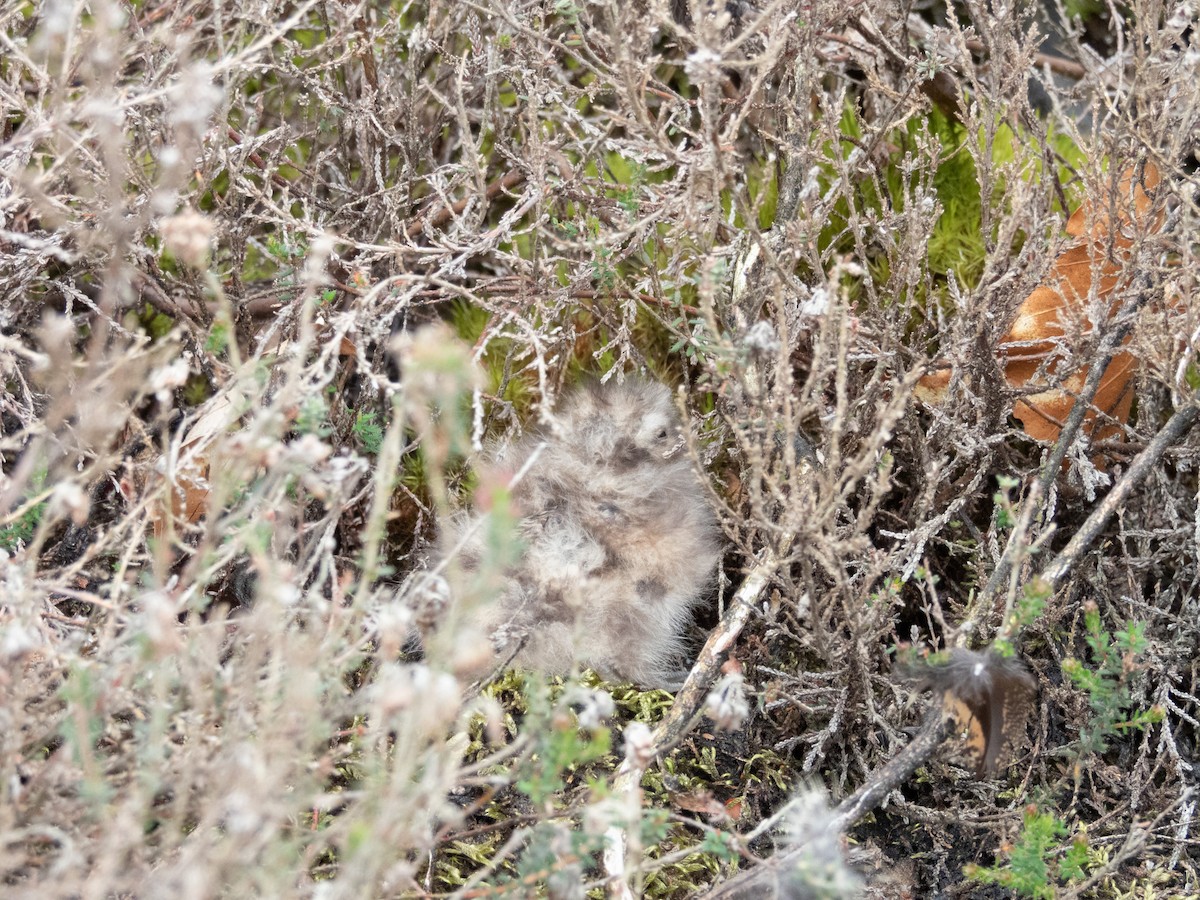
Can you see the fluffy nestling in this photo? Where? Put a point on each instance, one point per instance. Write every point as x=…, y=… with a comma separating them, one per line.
x=620, y=544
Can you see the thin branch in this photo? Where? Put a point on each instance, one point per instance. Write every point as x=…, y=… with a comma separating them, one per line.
x=878, y=786
x=883, y=780
x=1178, y=426
x=684, y=711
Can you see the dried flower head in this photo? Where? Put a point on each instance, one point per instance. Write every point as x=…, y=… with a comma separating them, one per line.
x=187, y=236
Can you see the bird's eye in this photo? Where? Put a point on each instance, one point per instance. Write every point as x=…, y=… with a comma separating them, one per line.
x=662, y=434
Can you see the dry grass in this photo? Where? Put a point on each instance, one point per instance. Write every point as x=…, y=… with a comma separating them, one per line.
x=227, y=433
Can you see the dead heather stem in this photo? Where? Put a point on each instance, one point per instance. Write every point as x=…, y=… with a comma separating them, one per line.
x=220, y=482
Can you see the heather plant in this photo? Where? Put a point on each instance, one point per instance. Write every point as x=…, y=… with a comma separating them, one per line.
x=1029, y=872
x=274, y=275
x=1107, y=681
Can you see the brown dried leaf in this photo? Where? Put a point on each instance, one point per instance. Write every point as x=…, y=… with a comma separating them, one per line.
x=705, y=804
x=1045, y=318
x=931, y=388
x=1141, y=202
x=1043, y=414
x=189, y=489
x=1053, y=314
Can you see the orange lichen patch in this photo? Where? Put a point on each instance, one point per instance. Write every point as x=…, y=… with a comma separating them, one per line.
x=1054, y=315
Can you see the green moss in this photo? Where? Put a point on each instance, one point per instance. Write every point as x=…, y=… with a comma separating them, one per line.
x=21, y=531
x=957, y=246
x=156, y=324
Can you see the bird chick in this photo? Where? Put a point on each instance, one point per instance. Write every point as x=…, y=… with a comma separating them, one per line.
x=620, y=544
